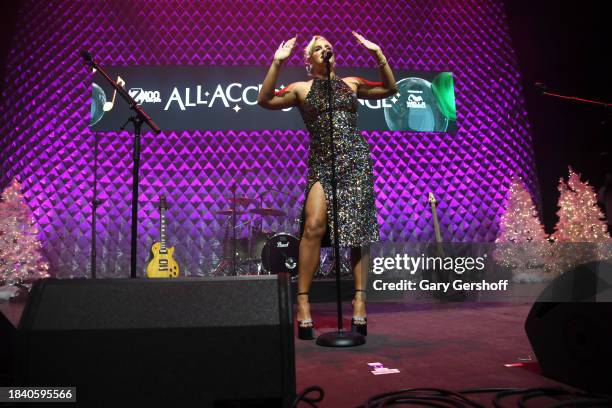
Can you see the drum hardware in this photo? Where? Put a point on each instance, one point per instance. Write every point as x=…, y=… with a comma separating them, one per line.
x=260, y=251
x=268, y=212
x=258, y=238
x=297, y=227
x=292, y=227
x=241, y=200
x=231, y=245
x=229, y=212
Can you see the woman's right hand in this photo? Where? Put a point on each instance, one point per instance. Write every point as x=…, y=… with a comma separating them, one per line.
x=283, y=52
x=267, y=97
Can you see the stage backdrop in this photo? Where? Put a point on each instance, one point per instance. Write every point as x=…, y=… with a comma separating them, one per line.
x=225, y=98
x=45, y=141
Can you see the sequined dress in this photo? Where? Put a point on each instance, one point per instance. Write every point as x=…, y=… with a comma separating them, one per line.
x=357, y=223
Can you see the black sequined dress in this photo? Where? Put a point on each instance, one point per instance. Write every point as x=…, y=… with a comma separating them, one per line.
x=357, y=223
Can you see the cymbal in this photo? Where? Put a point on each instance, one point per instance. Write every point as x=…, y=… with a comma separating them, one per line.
x=268, y=211
x=242, y=200
x=229, y=212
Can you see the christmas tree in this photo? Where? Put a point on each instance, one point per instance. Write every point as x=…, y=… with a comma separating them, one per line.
x=581, y=233
x=20, y=250
x=522, y=244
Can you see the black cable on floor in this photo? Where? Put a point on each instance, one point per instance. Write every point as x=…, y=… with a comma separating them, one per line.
x=585, y=402
x=574, y=398
x=302, y=396
x=436, y=397
x=486, y=390
x=547, y=392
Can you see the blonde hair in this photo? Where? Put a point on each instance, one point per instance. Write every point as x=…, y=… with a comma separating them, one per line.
x=308, y=51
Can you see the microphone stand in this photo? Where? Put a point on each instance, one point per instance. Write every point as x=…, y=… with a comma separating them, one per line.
x=138, y=118
x=607, y=106
x=234, y=229
x=94, y=208
x=338, y=338
x=547, y=92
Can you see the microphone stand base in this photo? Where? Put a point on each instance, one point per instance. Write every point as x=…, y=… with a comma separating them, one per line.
x=340, y=338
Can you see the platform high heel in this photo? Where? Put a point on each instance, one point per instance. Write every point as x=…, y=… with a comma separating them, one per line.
x=305, y=327
x=359, y=324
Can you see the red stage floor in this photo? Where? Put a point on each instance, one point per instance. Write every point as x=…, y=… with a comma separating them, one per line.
x=451, y=346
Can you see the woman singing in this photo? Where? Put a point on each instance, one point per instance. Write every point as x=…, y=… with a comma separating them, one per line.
x=357, y=225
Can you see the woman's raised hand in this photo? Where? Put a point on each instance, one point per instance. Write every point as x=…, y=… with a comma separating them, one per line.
x=283, y=52
x=370, y=46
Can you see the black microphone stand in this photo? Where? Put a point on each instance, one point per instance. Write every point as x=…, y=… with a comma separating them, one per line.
x=338, y=338
x=94, y=208
x=578, y=99
x=234, y=229
x=139, y=117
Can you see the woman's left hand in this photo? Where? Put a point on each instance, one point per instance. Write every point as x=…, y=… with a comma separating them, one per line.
x=370, y=46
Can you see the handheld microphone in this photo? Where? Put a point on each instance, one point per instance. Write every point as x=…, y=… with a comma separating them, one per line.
x=327, y=54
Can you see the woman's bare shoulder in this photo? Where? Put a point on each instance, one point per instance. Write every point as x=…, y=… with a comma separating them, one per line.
x=352, y=82
x=301, y=87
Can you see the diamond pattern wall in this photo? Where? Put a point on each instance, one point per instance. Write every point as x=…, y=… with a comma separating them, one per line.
x=46, y=143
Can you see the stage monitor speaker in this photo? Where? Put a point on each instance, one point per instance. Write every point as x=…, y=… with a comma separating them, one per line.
x=218, y=342
x=570, y=327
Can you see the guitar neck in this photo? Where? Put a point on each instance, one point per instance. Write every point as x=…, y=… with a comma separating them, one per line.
x=162, y=230
x=436, y=224
x=434, y=213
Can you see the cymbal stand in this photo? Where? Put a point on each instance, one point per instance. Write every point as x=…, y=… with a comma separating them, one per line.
x=232, y=259
x=226, y=259
x=223, y=262
x=251, y=256
x=250, y=247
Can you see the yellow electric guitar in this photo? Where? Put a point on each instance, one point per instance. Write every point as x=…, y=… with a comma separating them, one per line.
x=163, y=264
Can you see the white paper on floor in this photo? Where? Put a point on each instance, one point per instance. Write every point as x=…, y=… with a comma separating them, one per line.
x=379, y=369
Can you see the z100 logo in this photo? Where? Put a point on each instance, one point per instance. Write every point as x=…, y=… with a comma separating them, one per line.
x=141, y=96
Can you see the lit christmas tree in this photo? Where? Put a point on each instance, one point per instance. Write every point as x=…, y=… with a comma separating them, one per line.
x=522, y=244
x=581, y=233
x=20, y=250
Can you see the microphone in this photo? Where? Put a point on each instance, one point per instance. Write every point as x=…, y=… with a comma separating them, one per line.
x=87, y=57
x=327, y=54
x=540, y=85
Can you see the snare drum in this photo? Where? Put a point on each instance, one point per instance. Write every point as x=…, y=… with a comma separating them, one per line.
x=280, y=254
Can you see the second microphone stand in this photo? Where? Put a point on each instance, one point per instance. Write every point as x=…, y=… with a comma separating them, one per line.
x=94, y=209
x=138, y=118
x=338, y=338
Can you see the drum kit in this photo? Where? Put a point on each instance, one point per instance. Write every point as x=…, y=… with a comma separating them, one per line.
x=260, y=252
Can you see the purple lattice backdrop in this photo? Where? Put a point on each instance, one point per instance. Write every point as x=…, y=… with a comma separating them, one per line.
x=46, y=143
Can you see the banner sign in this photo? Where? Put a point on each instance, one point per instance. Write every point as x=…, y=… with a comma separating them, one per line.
x=225, y=98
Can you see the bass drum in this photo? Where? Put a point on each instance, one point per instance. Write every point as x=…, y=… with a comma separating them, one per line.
x=280, y=254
